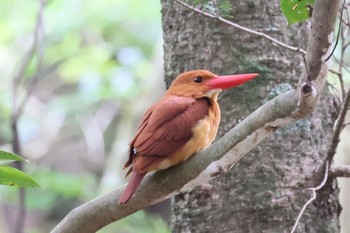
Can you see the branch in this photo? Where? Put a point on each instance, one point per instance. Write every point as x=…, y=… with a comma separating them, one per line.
x=339, y=74
x=321, y=36
x=335, y=92
x=227, y=151
x=340, y=171
x=338, y=127
x=35, y=48
x=339, y=62
x=237, y=26
x=342, y=51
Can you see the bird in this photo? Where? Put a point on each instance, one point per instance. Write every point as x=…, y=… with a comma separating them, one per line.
x=184, y=121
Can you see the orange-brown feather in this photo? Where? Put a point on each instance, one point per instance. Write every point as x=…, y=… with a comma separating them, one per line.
x=168, y=128
x=203, y=134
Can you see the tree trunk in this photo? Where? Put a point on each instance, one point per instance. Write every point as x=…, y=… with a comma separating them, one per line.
x=266, y=190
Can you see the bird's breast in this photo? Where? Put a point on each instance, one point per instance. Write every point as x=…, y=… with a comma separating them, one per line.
x=204, y=133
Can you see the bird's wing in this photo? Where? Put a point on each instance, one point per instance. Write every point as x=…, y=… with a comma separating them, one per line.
x=165, y=128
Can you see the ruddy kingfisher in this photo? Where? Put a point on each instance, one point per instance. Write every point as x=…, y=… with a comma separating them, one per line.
x=184, y=121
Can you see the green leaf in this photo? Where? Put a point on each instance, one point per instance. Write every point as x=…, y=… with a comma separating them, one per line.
x=297, y=10
x=13, y=177
x=224, y=8
x=4, y=155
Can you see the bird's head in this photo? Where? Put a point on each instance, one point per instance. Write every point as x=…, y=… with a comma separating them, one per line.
x=203, y=83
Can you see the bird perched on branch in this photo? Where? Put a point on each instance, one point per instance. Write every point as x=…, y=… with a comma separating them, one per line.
x=184, y=121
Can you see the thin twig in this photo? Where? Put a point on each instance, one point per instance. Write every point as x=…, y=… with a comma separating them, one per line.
x=337, y=40
x=341, y=81
x=342, y=53
x=344, y=67
x=314, y=195
x=15, y=115
x=340, y=171
x=235, y=25
x=347, y=23
x=39, y=50
x=335, y=93
x=338, y=127
x=334, y=71
x=345, y=46
x=27, y=59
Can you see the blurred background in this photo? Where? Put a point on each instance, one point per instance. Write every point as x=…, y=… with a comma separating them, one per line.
x=89, y=69
x=83, y=73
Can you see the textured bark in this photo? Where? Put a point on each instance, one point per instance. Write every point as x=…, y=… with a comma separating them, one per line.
x=265, y=191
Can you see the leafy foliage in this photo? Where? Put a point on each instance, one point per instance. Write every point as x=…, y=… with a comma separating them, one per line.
x=225, y=8
x=13, y=177
x=4, y=155
x=297, y=10
x=98, y=57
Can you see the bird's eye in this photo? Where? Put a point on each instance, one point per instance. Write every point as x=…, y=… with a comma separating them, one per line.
x=198, y=79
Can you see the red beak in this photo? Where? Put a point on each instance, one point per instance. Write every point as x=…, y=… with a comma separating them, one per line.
x=227, y=81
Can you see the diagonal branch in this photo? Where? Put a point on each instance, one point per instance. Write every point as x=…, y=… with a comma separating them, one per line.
x=37, y=48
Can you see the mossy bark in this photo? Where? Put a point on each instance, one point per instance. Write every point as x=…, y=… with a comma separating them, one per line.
x=265, y=191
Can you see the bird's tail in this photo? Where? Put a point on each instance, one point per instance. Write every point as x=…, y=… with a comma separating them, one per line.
x=131, y=187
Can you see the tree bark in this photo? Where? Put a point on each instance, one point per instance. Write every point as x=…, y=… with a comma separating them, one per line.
x=265, y=191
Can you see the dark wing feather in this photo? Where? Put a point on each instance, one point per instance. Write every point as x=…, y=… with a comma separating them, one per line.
x=165, y=128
